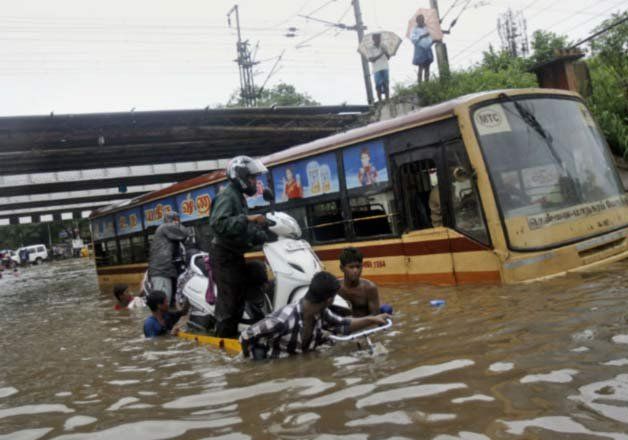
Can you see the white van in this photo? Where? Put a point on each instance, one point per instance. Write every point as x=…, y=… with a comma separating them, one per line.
x=36, y=253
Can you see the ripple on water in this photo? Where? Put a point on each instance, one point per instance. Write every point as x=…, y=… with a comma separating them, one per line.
x=462, y=435
x=152, y=429
x=406, y=393
x=26, y=434
x=499, y=367
x=76, y=421
x=34, y=409
x=338, y=396
x=394, y=418
x=558, y=376
x=560, y=424
x=620, y=339
x=310, y=386
x=617, y=362
x=7, y=391
x=607, y=391
x=425, y=371
x=122, y=402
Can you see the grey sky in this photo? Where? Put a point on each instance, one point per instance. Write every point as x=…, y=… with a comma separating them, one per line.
x=75, y=56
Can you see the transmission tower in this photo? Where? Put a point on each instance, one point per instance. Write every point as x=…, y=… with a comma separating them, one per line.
x=513, y=33
x=245, y=62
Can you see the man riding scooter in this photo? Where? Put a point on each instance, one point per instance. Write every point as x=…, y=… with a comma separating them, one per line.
x=235, y=232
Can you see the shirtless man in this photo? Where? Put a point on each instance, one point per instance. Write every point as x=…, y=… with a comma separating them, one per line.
x=360, y=293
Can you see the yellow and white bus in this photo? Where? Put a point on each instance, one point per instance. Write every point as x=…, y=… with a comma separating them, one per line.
x=504, y=186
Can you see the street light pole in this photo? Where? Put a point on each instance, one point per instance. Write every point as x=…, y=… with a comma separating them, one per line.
x=441, y=48
x=359, y=27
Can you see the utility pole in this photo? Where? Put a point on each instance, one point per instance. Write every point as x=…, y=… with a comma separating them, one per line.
x=359, y=27
x=441, y=48
x=245, y=63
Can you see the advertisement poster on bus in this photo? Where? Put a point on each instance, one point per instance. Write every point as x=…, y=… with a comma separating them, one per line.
x=103, y=228
x=258, y=199
x=195, y=204
x=306, y=178
x=129, y=222
x=365, y=164
x=154, y=211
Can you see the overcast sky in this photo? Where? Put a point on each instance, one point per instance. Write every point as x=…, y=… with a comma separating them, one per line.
x=77, y=56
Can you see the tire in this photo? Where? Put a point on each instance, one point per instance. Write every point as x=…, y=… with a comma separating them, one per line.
x=38, y=261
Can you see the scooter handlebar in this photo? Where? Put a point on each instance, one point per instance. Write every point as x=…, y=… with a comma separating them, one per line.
x=363, y=333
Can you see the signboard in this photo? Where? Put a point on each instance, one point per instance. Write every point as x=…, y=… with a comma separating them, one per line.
x=552, y=218
x=102, y=228
x=306, y=178
x=195, y=204
x=491, y=120
x=365, y=164
x=129, y=222
x=258, y=199
x=154, y=211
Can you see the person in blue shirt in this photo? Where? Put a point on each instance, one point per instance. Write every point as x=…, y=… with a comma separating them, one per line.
x=161, y=322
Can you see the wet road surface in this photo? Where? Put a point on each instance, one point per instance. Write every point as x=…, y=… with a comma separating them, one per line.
x=545, y=360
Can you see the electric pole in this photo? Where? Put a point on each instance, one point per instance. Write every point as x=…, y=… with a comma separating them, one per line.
x=441, y=48
x=359, y=27
x=245, y=63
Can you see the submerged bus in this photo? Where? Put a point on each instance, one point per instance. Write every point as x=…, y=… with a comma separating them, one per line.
x=505, y=186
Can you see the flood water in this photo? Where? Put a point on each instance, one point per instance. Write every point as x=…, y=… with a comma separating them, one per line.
x=545, y=360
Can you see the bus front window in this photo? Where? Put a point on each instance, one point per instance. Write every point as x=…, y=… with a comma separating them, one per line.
x=549, y=165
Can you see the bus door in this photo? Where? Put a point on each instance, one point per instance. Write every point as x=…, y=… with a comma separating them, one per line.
x=425, y=242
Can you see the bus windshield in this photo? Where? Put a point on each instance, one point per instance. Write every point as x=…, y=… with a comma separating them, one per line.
x=549, y=165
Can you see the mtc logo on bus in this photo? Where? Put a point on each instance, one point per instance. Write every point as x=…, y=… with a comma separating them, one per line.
x=489, y=118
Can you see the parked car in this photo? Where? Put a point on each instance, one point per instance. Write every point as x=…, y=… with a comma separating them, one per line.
x=36, y=253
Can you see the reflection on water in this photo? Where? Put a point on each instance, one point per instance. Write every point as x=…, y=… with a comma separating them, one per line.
x=539, y=361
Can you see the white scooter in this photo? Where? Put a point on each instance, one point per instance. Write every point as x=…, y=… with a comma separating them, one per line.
x=291, y=260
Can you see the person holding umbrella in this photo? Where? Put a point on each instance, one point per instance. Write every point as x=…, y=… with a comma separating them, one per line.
x=378, y=48
x=379, y=58
x=423, y=56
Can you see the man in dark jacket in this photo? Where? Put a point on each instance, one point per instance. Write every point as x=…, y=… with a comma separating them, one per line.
x=234, y=233
x=162, y=271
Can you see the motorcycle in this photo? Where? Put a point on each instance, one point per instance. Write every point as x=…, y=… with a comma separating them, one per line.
x=292, y=262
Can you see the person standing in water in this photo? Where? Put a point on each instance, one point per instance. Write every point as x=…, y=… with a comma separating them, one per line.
x=362, y=294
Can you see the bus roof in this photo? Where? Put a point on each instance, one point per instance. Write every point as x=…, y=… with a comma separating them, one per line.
x=415, y=118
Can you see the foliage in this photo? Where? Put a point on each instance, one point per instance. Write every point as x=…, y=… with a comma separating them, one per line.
x=609, y=78
x=281, y=94
x=544, y=43
x=463, y=82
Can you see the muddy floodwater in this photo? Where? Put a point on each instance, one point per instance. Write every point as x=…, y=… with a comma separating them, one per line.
x=545, y=360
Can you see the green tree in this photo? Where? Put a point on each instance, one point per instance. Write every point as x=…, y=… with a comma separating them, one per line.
x=609, y=78
x=544, y=44
x=281, y=94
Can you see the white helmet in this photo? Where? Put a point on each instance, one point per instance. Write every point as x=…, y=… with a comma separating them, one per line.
x=240, y=168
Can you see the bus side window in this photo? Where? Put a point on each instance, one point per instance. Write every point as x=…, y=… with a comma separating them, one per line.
x=374, y=215
x=465, y=203
x=327, y=222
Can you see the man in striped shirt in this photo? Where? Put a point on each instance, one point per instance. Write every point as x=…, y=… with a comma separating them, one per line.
x=299, y=328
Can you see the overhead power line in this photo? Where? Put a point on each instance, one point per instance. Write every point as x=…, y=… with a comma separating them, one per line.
x=600, y=32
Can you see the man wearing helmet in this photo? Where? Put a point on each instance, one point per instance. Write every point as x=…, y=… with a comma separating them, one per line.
x=234, y=233
x=162, y=272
